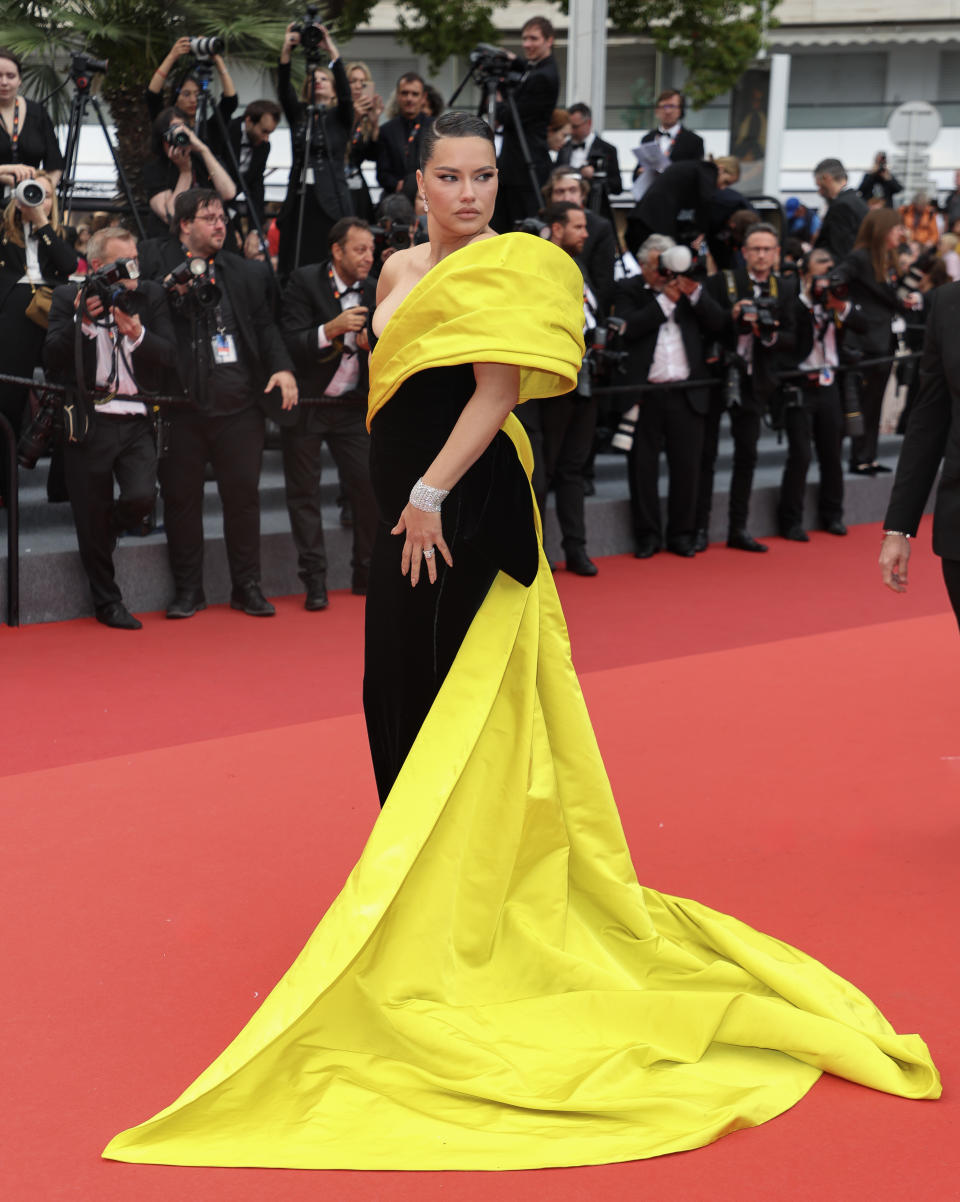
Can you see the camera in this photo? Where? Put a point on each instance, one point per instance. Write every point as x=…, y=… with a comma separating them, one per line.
x=310, y=30
x=398, y=235
x=914, y=275
x=604, y=356
x=677, y=260
x=36, y=438
x=29, y=194
x=176, y=136
x=82, y=66
x=194, y=275
x=767, y=309
x=490, y=62
x=207, y=47
x=623, y=436
x=532, y=225
x=106, y=284
x=850, y=395
x=599, y=164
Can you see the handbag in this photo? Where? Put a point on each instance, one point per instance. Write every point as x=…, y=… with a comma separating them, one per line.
x=39, y=308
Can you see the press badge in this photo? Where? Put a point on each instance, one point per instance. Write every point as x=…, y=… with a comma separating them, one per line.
x=826, y=376
x=224, y=349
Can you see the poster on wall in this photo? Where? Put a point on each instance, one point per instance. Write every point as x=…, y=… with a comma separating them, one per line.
x=749, y=103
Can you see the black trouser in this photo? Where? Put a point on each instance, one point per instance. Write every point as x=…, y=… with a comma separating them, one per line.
x=668, y=423
x=234, y=447
x=568, y=424
x=342, y=428
x=863, y=449
x=951, y=578
x=818, y=423
x=121, y=447
x=745, y=428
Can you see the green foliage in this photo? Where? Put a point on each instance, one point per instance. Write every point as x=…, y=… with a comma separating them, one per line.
x=440, y=29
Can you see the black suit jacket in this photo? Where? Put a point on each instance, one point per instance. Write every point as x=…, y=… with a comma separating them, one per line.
x=536, y=98
x=761, y=383
x=58, y=260
x=599, y=256
x=839, y=229
x=152, y=362
x=877, y=299
x=933, y=433
x=611, y=164
x=398, y=157
x=252, y=184
x=688, y=145
x=638, y=306
x=249, y=287
x=688, y=185
x=308, y=302
x=335, y=126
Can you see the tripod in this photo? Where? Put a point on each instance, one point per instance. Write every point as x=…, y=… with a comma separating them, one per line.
x=204, y=72
x=82, y=70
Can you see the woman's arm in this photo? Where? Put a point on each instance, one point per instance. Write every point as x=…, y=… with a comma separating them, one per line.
x=180, y=47
x=496, y=395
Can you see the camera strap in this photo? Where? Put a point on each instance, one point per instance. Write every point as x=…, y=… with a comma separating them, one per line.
x=15, y=132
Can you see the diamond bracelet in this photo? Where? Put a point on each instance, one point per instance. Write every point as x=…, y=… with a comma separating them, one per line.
x=422, y=496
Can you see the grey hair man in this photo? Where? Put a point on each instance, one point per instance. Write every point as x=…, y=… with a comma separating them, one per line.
x=845, y=208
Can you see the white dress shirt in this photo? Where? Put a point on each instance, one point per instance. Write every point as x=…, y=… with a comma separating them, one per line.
x=348, y=372
x=113, y=368
x=669, y=355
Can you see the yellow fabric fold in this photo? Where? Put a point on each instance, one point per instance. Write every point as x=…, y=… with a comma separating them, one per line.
x=514, y=299
x=493, y=988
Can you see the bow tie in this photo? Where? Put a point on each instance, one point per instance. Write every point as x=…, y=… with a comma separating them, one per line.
x=578, y=145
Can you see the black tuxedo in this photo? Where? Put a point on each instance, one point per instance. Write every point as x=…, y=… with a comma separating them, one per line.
x=671, y=419
x=687, y=144
x=611, y=163
x=117, y=445
x=683, y=186
x=838, y=232
x=398, y=150
x=933, y=433
x=309, y=302
x=535, y=98
x=328, y=197
x=599, y=257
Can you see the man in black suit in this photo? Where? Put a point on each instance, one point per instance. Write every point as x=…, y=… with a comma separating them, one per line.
x=676, y=141
x=535, y=100
x=125, y=351
x=599, y=254
x=845, y=209
x=595, y=159
x=325, y=308
x=669, y=317
x=761, y=327
x=249, y=137
x=683, y=194
x=933, y=436
x=398, y=144
x=231, y=356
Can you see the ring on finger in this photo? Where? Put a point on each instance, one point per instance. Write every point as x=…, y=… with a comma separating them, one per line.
x=428, y=552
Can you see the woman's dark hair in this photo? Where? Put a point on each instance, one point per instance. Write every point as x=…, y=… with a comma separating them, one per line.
x=11, y=57
x=872, y=237
x=453, y=125
x=162, y=122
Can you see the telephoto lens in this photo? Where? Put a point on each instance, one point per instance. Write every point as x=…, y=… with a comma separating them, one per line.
x=29, y=194
x=626, y=429
x=207, y=47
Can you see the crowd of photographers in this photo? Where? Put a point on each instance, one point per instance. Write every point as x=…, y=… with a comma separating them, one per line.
x=695, y=306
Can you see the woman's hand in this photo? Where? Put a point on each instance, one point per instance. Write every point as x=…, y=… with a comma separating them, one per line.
x=423, y=531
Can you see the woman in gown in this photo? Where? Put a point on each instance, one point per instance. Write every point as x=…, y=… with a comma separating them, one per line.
x=493, y=988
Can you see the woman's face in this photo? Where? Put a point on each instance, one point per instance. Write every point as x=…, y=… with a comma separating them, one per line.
x=557, y=137
x=897, y=235
x=324, y=86
x=460, y=185
x=359, y=84
x=188, y=98
x=9, y=80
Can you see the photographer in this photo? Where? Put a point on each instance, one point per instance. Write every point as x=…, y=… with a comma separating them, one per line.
x=595, y=159
x=535, y=99
x=186, y=88
x=686, y=189
x=35, y=256
x=880, y=183
x=180, y=162
x=28, y=140
x=325, y=308
x=229, y=346
x=870, y=272
x=813, y=416
x=761, y=327
x=127, y=347
x=397, y=228
x=398, y=150
x=365, y=137
x=669, y=316
x=318, y=180
x=845, y=209
x=249, y=139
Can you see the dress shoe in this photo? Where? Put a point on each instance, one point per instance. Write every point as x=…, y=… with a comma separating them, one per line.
x=316, y=597
x=701, y=540
x=580, y=563
x=185, y=605
x=861, y=469
x=740, y=540
x=646, y=547
x=249, y=597
x=835, y=527
x=682, y=547
x=879, y=468
x=118, y=616
x=796, y=534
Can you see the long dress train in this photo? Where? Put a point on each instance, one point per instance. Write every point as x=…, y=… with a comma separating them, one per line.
x=493, y=988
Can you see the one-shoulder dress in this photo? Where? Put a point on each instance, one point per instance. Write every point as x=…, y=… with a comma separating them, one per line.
x=493, y=988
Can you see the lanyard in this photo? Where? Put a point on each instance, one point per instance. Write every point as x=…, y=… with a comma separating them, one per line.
x=410, y=140
x=15, y=135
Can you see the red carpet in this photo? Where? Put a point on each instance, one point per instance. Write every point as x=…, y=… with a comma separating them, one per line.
x=181, y=804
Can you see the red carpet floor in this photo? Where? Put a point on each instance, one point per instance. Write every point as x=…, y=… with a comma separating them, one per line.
x=181, y=804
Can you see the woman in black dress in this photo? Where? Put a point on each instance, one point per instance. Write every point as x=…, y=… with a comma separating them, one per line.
x=33, y=254
x=365, y=136
x=27, y=138
x=871, y=272
x=327, y=197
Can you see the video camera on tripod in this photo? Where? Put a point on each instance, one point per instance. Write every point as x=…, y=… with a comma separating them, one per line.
x=311, y=31
x=491, y=64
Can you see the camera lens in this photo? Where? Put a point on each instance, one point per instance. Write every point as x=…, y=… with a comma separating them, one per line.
x=30, y=194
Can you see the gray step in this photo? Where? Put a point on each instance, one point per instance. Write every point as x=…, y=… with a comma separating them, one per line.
x=53, y=585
